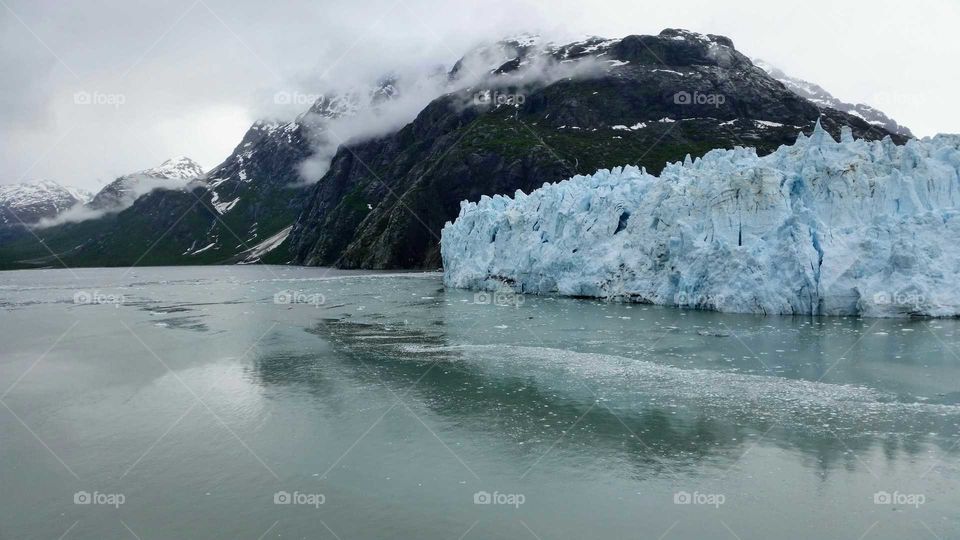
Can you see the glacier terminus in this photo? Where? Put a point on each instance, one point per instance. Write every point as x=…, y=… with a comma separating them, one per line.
x=820, y=227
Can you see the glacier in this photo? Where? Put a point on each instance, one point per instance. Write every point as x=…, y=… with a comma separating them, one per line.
x=820, y=227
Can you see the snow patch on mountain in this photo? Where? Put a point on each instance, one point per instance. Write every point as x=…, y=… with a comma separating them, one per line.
x=180, y=167
x=222, y=207
x=817, y=228
x=254, y=254
x=191, y=251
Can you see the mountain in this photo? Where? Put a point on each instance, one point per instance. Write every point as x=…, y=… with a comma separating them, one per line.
x=240, y=211
x=123, y=191
x=30, y=203
x=856, y=227
x=545, y=113
x=816, y=94
x=349, y=184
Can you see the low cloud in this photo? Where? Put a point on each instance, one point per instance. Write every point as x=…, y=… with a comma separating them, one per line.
x=76, y=214
x=193, y=77
x=372, y=119
x=415, y=90
x=134, y=186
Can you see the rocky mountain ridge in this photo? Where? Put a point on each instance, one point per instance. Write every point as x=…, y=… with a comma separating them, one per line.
x=816, y=94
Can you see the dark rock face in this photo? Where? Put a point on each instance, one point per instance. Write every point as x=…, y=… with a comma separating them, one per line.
x=654, y=99
x=258, y=190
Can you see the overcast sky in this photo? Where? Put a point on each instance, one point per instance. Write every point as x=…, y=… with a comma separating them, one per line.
x=187, y=77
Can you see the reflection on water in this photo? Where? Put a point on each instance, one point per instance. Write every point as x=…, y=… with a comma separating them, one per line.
x=199, y=398
x=652, y=414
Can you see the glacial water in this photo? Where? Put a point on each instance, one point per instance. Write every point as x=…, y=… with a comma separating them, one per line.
x=274, y=402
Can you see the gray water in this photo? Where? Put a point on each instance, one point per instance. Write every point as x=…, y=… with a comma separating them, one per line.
x=275, y=402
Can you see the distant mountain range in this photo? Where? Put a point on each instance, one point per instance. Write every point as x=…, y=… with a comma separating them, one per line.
x=33, y=203
x=507, y=116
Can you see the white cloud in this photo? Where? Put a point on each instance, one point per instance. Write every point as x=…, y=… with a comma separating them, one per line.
x=192, y=79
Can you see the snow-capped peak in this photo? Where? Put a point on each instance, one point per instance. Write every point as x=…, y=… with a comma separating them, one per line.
x=27, y=193
x=523, y=39
x=122, y=192
x=31, y=202
x=180, y=167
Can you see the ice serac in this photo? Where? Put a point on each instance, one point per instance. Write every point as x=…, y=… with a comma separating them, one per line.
x=820, y=227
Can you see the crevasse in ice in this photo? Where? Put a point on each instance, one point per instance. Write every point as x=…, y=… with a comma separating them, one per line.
x=820, y=227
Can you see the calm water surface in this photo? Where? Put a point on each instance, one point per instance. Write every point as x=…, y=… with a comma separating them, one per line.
x=274, y=402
